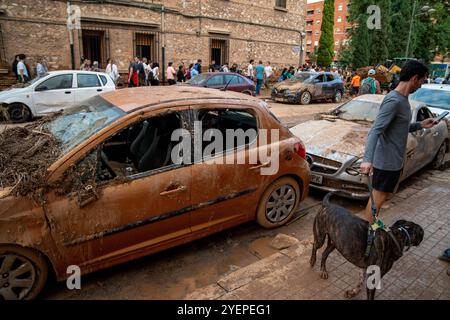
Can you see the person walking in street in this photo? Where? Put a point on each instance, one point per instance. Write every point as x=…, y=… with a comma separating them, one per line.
x=133, y=80
x=250, y=70
x=268, y=70
x=225, y=68
x=260, y=74
x=355, y=84
x=194, y=72
x=370, y=85
x=386, y=143
x=170, y=74
x=446, y=258
x=198, y=66
x=41, y=67
x=112, y=70
x=22, y=70
x=155, y=70
x=141, y=71
x=14, y=66
x=95, y=66
x=283, y=75
x=180, y=74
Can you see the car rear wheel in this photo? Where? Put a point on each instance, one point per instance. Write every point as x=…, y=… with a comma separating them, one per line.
x=305, y=98
x=337, y=97
x=439, y=160
x=278, y=203
x=23, y=273
x=19, y=113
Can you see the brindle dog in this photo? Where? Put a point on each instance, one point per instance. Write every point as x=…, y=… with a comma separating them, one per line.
x=348, y=234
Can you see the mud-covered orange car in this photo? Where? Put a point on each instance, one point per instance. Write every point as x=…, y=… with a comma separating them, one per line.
x=126, y=198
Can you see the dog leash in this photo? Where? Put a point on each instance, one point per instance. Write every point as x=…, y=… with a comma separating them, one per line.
x=377, y=224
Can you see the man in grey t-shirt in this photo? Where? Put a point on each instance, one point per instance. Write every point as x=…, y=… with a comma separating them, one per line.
x=386, y=143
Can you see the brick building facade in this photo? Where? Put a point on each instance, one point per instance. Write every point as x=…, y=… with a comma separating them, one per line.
x=233, y=31
x=314, y=16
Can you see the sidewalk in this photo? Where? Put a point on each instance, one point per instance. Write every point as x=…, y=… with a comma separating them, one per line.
x=417, y=275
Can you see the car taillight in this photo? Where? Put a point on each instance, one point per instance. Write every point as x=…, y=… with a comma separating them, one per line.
x=300, y=149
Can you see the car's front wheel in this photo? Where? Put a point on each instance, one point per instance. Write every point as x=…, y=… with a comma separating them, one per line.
x=337, y=97
x=19, y=113
x=278, y=203
x=439, y=160
x=305, y=98
x=23, y=273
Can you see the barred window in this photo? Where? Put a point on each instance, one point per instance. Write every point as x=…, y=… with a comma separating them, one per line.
x=280, y=3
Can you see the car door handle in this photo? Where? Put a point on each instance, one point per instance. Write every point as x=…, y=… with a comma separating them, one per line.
x=99, y=90
x=169, y=192
x=68, y=92
x=264, y=165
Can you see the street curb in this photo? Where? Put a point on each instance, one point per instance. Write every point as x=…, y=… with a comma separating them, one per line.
x=225, y=286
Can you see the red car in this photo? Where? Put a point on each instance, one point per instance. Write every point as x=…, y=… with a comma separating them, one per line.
x=221, y=80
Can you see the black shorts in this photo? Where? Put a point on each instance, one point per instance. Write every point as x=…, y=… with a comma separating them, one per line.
x=384, y=180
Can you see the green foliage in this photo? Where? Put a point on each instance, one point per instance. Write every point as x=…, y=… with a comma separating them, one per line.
x=429, y=31
x=325, y=54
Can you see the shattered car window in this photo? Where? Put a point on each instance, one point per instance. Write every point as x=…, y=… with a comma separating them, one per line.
x=433, y=98
x=303, y=77
x=359, y=110
x=82, y=121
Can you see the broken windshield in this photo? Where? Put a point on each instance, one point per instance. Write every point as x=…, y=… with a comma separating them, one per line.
x=303, y=77
x=82, y=121
x=358, y=110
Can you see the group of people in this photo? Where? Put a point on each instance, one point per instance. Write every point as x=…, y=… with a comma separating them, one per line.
x=141, y=72
x=22, y=69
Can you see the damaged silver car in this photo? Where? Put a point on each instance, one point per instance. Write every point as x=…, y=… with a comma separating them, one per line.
x=336, y=143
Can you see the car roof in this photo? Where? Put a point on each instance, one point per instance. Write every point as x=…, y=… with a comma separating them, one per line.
x=73, y=71
x=132, y=99
x=218, y=73
x=443, y=87
x=378, y=98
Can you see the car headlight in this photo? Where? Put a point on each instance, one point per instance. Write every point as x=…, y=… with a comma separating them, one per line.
x=355, y=167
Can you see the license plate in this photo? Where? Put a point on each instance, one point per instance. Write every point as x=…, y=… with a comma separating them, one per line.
x=316, y=179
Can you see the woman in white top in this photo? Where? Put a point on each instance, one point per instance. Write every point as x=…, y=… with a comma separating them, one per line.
x=112, y=71
x=155, y=70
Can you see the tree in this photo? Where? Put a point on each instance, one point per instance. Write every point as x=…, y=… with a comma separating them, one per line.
x=325, y=53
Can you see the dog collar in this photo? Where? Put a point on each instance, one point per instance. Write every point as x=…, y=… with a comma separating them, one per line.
x=407, y=237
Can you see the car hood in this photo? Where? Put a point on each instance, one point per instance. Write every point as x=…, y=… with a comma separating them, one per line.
x=293, y=85
x=337, y=140
x=8, y=93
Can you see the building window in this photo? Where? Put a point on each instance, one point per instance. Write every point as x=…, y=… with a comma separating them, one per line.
x=317, y=33
x=339, y=19
x=318, y=11
x=280, y=3
x=308, y=42
x=310, y=12
x=316, y=43
x=145, y=46
x=318, y=22
x=94, y=47
x=337, y=43
x=340, y=7
x=309, y=23
x=219, y=51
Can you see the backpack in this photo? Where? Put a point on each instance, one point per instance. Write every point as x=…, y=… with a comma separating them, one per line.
x=368, y=87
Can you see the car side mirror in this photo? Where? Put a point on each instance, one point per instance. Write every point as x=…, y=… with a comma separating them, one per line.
x=41, y=88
